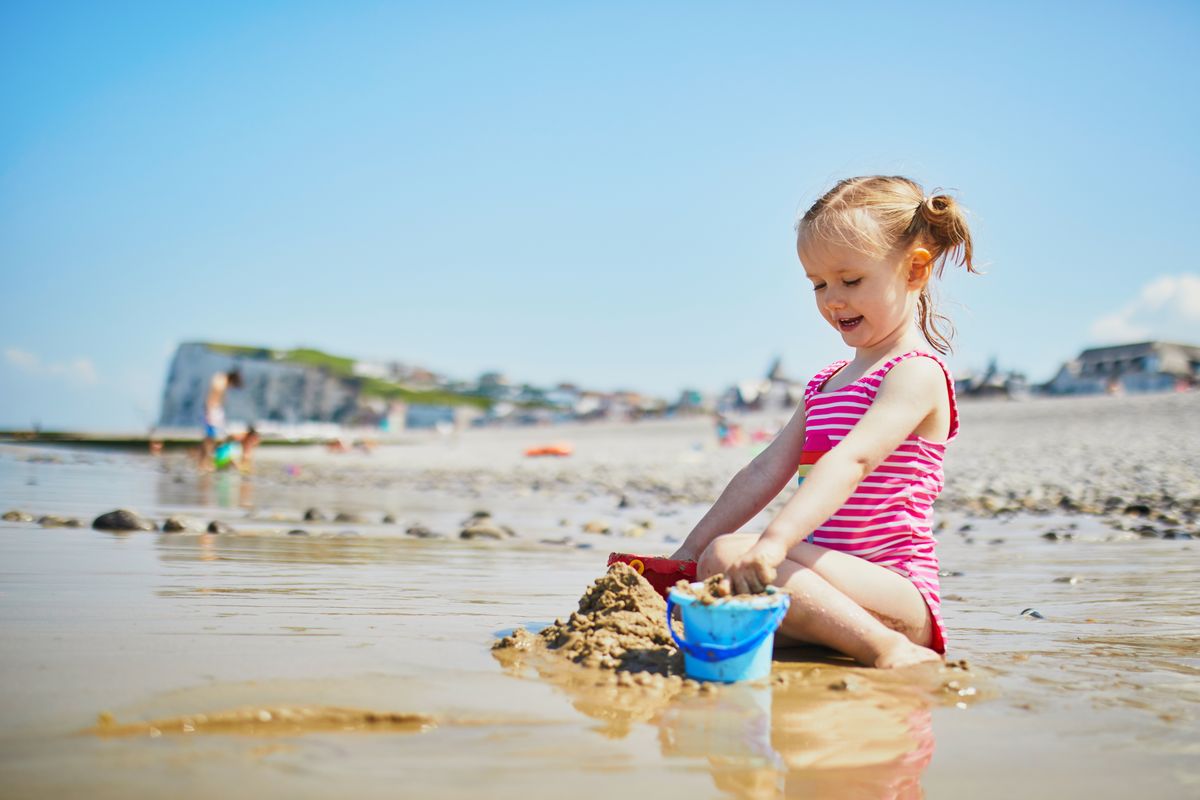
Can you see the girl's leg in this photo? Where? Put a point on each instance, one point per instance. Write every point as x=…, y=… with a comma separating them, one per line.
x=839, y=600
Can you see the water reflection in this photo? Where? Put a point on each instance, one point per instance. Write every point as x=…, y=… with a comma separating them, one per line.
x=179, y=486
x=732, y=731
x=820, y=729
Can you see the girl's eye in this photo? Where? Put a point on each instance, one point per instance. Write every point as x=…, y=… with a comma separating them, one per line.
x=854, y=282
x=818, y=287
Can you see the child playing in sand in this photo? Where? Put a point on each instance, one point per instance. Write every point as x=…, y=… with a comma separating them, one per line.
x=854, y=545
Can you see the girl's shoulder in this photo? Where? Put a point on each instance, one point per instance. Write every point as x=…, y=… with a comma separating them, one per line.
x=917, y=362
x=922, y=371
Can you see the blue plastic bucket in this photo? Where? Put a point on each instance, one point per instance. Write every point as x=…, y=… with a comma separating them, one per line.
x=729, y=640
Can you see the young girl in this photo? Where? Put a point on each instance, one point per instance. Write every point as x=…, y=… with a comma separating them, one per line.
x=854, y=545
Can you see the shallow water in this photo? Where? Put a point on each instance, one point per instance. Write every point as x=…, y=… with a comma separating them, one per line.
x=1099, y=698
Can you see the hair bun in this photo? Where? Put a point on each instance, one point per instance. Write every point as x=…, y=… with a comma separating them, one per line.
x=938, y=203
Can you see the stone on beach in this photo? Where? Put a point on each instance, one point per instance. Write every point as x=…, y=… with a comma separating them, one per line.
x=484, y=528
x=217, y=526
x=181, y=524
x=17, y=516
x=54, y=521
x=123, y=519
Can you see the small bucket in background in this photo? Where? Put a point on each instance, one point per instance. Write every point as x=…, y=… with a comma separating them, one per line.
x=729, y=640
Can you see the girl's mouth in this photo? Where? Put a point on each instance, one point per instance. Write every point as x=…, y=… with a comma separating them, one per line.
x=849, y=323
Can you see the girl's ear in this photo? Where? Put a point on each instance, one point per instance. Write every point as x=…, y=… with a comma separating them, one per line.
x=920, y=267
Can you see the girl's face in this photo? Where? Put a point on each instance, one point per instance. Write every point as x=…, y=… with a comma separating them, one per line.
x=870, y=300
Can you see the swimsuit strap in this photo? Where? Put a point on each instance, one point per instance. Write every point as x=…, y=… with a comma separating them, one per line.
x=886, y=368
x=820, y=378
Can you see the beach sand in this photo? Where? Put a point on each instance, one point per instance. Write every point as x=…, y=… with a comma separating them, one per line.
x=355, y=659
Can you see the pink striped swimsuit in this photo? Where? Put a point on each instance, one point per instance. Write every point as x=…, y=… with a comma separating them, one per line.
x=888, y=519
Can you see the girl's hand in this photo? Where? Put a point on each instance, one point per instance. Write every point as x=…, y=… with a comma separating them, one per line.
x=756, y=570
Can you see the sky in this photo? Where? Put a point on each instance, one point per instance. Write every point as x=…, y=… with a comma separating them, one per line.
x=602, y=193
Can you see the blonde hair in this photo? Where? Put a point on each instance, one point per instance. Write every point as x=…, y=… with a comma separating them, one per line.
x=881, y=214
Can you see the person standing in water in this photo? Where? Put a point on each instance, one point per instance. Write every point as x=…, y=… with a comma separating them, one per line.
x=854, y=544
x=214, y=413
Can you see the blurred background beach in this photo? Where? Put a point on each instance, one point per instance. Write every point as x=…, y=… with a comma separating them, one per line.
x=437, y=236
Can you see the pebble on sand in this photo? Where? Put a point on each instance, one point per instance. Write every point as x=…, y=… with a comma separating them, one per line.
x=17, y=516
x=53, y=521
x=180, y=524
x=484, y=528
x=123, y=520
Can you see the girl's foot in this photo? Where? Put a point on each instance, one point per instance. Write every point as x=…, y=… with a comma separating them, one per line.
x=904, y=654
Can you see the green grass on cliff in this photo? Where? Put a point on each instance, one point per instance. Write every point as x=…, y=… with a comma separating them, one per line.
x=386, y=390
x=334, y=365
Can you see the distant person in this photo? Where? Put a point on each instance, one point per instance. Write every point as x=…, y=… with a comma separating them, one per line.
x=722, y=427
x=214, y=413
x=854, y=544
x=154, y=443
x=237, y=452
x=250, y=442
x=728, y=434
x=228, y=454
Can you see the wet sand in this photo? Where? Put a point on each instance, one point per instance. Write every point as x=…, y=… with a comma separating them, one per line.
x=1097, y=695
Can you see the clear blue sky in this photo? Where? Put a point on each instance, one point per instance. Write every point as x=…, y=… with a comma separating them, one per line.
x=602, y=192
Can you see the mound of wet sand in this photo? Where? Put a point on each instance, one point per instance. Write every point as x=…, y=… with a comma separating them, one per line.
x=621, y=625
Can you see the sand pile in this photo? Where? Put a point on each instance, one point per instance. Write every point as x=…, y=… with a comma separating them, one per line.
x=621, y=624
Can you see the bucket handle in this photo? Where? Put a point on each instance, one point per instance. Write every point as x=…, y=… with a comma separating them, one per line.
x=721, y=652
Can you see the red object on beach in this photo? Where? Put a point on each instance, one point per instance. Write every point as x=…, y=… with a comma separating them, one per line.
x=557, y=449
x=662, y=573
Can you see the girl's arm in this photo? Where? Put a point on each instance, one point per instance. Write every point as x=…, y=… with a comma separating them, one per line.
x=908, y=395
x=755, y=485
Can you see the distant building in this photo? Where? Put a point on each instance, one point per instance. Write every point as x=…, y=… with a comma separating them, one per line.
x=693, y=401
x=775, y=392
x=1141, y=367
x=496, y=386
x=992, y=382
